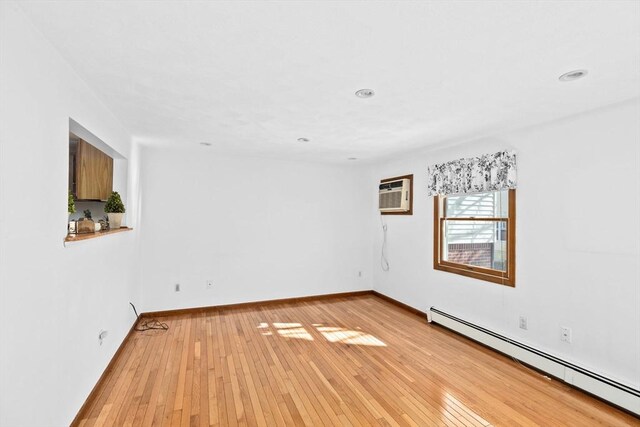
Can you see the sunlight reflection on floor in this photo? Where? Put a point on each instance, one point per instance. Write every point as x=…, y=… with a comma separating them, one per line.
x=286, y=325
x=452, y=405
x=351, y=337
x=298, y=333
x=334, y=334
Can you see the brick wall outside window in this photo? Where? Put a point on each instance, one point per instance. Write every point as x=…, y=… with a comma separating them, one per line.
x=478, y=254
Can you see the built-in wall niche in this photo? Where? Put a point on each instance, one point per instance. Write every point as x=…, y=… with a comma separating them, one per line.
x=95, y=171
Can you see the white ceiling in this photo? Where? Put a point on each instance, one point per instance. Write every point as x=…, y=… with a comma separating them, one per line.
x=253, y=77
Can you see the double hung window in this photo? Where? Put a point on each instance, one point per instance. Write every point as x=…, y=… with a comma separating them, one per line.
x=474, y=235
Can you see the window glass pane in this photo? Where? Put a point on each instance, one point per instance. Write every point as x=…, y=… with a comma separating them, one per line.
x=478, y=205
x=477, y=243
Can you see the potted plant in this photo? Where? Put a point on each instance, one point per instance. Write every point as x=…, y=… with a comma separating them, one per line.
x=114, y=210
x=71, y=204
x=71, y=209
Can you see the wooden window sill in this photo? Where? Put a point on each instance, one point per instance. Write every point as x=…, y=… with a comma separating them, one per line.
x=88, y=236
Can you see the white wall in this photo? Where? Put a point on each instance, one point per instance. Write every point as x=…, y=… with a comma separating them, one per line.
x=53, y=300
x=259, y=228
x=578, y=239
x=264, y=229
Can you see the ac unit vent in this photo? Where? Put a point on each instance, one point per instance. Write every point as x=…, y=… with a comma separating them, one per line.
x=390, y=200
x=394, y=196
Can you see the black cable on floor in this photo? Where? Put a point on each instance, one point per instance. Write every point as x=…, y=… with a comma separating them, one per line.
x=146, y=325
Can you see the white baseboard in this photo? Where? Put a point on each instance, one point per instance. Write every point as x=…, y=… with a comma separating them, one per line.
x=605, y=388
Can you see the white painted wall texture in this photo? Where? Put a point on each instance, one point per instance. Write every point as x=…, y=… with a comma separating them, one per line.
x=258, y=228
x=578, y=240
x=263, y=229
x=53, y=300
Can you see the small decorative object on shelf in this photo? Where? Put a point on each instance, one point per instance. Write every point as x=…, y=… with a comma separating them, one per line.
x=86, y=224
x=115, y=210
x=104, y=224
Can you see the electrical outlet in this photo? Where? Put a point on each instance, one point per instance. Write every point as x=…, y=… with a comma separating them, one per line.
x=523, y=323
x=102, y=335
x=177, y=287
x=565, y=334
x=209, y=284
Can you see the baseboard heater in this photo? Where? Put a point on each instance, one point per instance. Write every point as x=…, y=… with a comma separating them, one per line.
x=605, y=388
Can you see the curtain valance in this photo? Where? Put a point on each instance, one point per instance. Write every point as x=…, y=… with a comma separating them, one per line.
x=490, y=172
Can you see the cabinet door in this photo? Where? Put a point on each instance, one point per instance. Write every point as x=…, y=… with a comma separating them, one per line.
x=94, y=173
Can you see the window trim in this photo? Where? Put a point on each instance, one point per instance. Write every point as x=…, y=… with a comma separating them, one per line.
x=481, y=273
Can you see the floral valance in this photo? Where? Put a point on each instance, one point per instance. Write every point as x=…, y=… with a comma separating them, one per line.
x=490, y=172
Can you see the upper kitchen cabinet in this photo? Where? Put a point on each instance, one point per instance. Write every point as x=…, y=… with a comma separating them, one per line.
x=92, y=171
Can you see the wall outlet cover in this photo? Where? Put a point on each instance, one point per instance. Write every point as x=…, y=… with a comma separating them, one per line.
x=522, y=323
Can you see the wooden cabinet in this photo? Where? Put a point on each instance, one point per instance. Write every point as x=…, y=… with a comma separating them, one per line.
x=93, y=173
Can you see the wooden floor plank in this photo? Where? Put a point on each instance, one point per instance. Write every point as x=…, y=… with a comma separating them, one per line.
x=344, y=361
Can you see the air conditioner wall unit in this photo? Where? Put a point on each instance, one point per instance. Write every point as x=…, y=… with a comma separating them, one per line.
x=394, y=196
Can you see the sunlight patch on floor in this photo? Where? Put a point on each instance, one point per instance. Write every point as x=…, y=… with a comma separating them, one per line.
x=298, y=333
x=286, y=325
x=333, y=334
x=452, y=405
x=346, y=336
x=329, y=329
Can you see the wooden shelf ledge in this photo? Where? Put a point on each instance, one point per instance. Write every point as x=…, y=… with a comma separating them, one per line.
x=87, y=236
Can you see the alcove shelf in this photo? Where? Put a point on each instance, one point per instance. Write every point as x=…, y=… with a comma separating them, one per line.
x=71, y=238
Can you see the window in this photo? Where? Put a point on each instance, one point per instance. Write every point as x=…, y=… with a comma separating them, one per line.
x=474, y=235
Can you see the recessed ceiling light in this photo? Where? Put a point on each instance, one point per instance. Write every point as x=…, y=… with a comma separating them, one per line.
x=573, y=75
x=303, y=140
x=206, y=144
x=365, y=93
x=352, y=158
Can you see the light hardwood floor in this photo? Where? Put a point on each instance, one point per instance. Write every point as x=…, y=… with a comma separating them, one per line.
x=345, y=361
